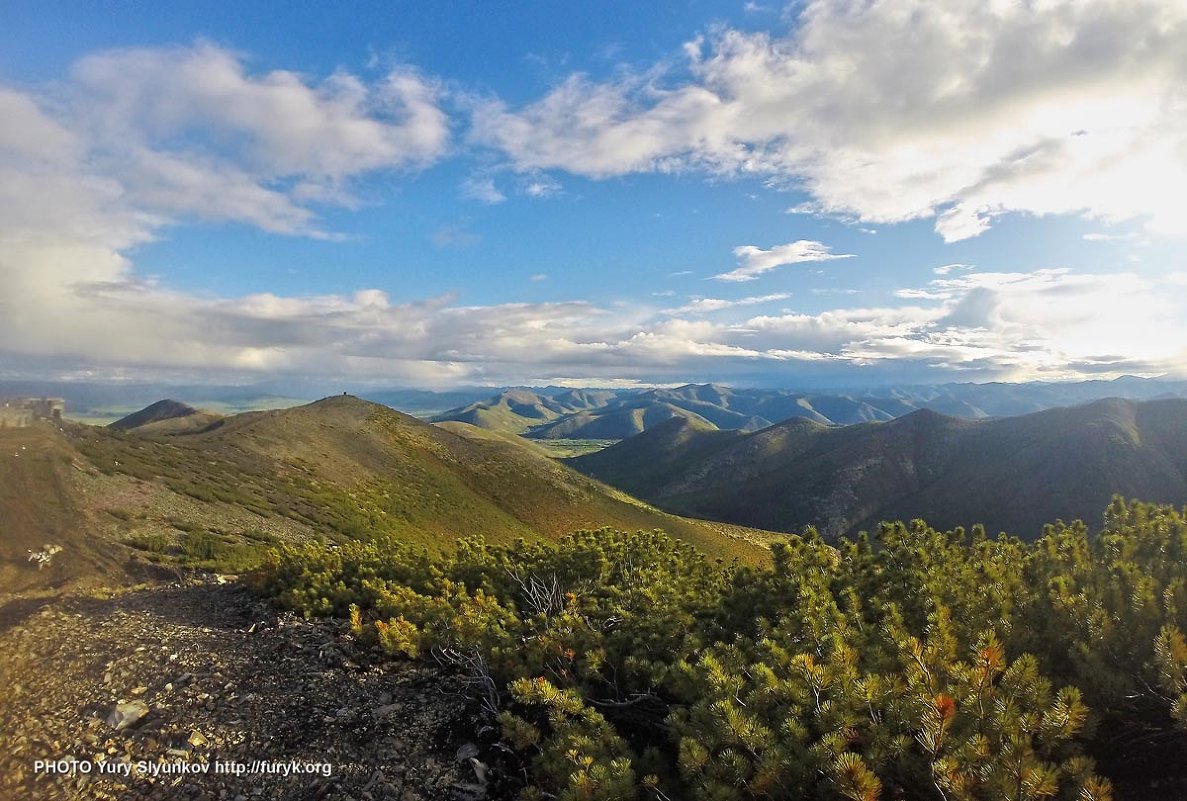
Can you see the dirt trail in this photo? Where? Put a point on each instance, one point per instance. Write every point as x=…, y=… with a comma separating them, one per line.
x=224, y=682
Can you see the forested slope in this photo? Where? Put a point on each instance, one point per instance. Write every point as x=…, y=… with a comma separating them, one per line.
x=1011, y=474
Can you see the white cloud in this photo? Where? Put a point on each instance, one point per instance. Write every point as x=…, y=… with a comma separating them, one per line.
x=483, y=190
x=211, y=190
x=1099, y=237
x=892, y=111
x=190, y=132
x=30, y=134
x=1009, y=326
x=754, y=261
x=705, y=305
x=542, y=186
x=277, y=122
x=138, y=140
x=1052, y=324
x=539, y=277
x=76, y=198
x=944, y=269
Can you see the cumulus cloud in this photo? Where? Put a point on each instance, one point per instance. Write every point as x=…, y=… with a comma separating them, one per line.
x=1011, y=326
x=138, y=140
x=754, y=261
x=76, y=199
x=191, y=132
x=893, y=111
x=276, y=122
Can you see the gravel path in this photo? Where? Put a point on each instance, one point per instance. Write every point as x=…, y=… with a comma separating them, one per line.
x=133, y=689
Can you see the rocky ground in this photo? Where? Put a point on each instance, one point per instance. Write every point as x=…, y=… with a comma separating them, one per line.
x=199, y=691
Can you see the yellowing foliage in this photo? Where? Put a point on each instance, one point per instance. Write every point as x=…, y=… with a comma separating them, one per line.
x=910, y=664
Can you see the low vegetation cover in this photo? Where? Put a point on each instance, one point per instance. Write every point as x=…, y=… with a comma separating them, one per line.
x=911, y=664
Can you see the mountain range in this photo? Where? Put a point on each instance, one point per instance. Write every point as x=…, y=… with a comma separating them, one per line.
x=1012, y=474
x=173, y=479
x=605, y=413
x=553, y=413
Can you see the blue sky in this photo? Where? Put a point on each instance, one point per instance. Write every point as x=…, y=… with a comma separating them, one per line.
x=825, y=193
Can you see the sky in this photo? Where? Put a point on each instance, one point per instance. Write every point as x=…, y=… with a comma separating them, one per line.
x=825, y=193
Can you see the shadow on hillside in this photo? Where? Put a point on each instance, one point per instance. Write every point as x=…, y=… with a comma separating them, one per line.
x=29, y=598
x=18, y=610
x=207, y=605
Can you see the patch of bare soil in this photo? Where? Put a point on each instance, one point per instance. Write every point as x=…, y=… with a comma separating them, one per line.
x=200, y=691
x=39, y=511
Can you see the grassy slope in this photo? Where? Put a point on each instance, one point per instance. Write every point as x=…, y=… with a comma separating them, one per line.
x=582, y=416
x=347, y=467
x=614, y=423
x=646, y=462
x=1012, y=474
x=158, y=412
x=514, y=411
x=39, y=505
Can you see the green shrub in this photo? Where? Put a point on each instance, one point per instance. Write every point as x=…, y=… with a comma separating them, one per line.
x=910, y=664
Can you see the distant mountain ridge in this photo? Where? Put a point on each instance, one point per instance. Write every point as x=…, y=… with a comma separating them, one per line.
x=517, y=409
x=734, y=407
x=1012, y=473
x=551, y=413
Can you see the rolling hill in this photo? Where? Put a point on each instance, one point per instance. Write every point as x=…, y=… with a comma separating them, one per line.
x=611, y=414
x=337, y=468
x=167, y=417
x=1012, y=474
x=517, y=410
x=617, y=423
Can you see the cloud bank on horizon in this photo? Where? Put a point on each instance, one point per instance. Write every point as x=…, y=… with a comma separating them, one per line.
x=959, y=115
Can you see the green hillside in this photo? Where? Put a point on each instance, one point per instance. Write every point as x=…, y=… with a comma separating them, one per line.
x=166, y=417
x=517, y=410
x=1013, y=473
x=40, y=506
x=337, y=469
x=614, y=423
x=614, y=414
